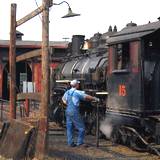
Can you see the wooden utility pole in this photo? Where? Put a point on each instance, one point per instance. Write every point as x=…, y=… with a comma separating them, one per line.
x=12, y=62
x=45, y=59
x=41, y=146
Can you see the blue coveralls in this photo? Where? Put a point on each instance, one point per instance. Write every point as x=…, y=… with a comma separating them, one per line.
x=73, y=117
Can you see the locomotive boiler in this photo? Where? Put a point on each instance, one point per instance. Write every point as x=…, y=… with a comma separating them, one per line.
x=86, y=61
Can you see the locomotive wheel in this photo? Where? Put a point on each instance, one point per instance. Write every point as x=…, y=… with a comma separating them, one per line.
x=132, y=138
x=123, y=135
x=115, y=136
x=136, y=144
x=58, y=115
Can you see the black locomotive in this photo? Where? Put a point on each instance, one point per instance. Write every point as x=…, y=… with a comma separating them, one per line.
x=126, y=64
x=133, y=104
x=86, y=60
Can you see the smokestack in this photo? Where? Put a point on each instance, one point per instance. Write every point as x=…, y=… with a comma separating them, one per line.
x=77, y=44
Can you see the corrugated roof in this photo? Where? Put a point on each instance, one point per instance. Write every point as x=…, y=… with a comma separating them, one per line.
x=130, y=33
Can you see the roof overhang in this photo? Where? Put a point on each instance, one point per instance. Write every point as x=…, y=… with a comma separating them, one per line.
x=134, y=33
x=34, y=44
x=128, y=37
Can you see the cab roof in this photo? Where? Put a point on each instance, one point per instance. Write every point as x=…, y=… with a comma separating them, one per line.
x=133, y=33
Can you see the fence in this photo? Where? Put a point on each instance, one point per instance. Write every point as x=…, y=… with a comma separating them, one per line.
x=21, y=109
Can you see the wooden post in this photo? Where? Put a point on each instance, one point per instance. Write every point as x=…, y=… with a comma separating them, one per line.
x=41, y=146
x=1, y=78
x=12, y=62
x=45, y=59
x=27, y=109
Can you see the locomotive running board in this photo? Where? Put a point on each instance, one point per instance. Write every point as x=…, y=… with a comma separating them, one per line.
x=150, y=147
x=63, y=81
x=101, y=93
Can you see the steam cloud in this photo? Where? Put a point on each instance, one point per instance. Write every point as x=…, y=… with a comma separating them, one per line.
x=106, y=128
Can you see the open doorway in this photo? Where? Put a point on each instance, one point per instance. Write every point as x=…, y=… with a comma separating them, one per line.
x=23, y=73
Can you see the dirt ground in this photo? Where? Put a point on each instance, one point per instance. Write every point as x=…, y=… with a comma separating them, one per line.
x=58, y=149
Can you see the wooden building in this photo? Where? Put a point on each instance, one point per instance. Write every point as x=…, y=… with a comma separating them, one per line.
x=28, y=62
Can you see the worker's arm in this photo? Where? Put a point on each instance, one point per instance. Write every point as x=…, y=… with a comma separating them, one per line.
x=84, y=96
x=91, y=98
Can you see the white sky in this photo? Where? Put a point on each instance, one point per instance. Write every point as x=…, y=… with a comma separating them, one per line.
x=96, y=16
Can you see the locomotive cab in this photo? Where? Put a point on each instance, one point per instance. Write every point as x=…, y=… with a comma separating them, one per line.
x=124, y=77
x=133, y=70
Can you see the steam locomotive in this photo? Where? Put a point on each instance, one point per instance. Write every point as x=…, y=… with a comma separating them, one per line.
x=87, y=61
x=126, y=64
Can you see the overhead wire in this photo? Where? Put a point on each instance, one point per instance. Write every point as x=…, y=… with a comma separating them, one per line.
x=38, y=7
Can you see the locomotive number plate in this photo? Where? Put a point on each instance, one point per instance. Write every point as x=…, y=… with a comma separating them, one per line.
x=122, y=90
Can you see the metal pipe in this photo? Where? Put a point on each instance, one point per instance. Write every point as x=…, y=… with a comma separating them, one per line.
x=97, y=126
x=61, y=3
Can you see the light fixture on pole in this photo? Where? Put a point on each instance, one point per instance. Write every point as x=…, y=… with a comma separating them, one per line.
x=70, y=13
x=42, y=138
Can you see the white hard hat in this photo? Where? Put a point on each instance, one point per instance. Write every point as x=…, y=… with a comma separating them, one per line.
x=74, y=82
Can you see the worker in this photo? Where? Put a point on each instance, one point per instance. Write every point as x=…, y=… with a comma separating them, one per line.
x=72, y=99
